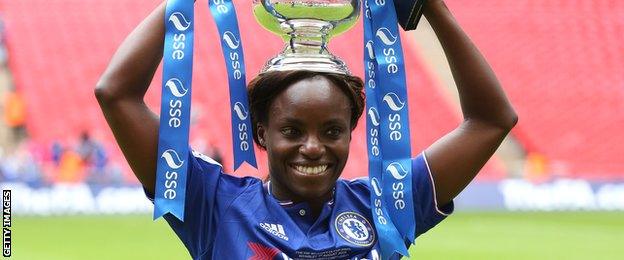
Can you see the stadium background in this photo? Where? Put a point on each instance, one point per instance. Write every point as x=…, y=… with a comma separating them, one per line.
x=555, y=189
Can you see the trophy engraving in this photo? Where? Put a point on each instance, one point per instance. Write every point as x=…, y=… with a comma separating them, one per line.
x=306, y=26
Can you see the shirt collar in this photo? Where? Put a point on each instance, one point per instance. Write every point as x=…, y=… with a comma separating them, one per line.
x=289, y=202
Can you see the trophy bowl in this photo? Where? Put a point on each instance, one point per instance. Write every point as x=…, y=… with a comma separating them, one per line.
x=306, y=26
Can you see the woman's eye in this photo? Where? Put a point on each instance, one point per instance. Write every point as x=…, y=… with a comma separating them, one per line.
x=289, y=131
x=334, y=132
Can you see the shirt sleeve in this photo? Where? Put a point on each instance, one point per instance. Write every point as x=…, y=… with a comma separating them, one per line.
x=427, y=211
x=208, y=191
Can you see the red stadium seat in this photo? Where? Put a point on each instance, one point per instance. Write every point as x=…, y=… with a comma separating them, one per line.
x=58, y=49
x=561, y=63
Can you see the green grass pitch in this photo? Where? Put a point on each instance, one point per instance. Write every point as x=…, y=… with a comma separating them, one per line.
x=576, y=235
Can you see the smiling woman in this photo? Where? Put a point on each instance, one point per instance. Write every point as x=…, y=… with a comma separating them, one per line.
x=304, y=120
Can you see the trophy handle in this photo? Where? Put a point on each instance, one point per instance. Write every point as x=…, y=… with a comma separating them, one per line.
x=357, y=5
x=269, y=8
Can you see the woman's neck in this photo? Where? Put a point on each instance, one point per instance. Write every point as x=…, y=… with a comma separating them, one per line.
x=315, y=203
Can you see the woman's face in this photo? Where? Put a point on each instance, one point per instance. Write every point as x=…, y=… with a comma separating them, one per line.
x=307, y=139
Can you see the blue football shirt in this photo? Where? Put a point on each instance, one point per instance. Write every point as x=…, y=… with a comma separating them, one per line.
x=228, y=217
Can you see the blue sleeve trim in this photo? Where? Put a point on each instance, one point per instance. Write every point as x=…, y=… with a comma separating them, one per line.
x=427, y=211
x=445, y=210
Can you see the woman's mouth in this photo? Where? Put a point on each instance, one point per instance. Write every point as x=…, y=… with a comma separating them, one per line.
x=311, y=170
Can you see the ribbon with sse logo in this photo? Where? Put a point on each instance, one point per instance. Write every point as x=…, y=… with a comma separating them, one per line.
x=389, y=237
x=175, y=109
x=388, y=135
x=225, y=17
x=173, y=139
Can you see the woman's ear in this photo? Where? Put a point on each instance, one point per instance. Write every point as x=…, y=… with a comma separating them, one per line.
x=261, y=135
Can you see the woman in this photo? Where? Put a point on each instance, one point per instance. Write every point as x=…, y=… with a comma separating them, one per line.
x=304, y=121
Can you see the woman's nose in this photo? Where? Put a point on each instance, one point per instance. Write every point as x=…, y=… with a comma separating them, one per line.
x=312, y=148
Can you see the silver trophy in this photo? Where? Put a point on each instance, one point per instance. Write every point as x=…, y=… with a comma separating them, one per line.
x=306, y=26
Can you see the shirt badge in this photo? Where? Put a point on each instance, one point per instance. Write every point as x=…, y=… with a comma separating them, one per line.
x=355, y=228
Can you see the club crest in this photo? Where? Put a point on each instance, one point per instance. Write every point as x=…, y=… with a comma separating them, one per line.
x=355, y=229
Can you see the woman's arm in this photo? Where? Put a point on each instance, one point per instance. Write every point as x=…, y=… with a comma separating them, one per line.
x=457, y=157
x=120, y=93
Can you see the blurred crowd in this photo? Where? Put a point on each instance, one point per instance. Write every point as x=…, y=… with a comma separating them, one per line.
x=86, y=160
x=74, y=159
x=82, y=159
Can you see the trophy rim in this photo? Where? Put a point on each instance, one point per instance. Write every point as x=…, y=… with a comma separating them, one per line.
x=271, y=10
x=327, y=63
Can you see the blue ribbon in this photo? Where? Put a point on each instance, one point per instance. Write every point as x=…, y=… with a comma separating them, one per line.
x=224, y=15
x=175, y=109
x=382, y=41
x=389, y=237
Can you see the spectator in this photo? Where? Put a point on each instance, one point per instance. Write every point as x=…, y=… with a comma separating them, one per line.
x=94, y=158
x=4, y=54
x=57, y=153
x=21, y=164
x=86, y=148
x=15, y=114
x=71, y=167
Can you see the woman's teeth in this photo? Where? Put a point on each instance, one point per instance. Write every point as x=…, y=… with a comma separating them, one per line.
x=311, y=170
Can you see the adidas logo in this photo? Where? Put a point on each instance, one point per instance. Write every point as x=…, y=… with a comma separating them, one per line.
x=275, y=229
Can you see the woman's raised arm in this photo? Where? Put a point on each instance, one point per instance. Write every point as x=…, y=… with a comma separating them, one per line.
x=120, y=93
x=457, y=157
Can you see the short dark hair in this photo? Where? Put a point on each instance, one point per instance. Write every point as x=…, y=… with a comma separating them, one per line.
x=263, y=89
